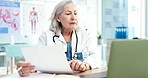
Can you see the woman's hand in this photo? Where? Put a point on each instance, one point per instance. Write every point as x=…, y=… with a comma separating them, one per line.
x=79, y=66
x=27, y=68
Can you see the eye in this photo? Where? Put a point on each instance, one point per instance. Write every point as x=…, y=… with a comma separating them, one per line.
x=67, y=13
x=75, y=13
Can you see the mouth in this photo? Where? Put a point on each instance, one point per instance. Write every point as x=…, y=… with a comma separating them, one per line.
x=73, y=23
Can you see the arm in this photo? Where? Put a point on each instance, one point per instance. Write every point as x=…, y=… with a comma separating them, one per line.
x=89, y=48
x=93, y=58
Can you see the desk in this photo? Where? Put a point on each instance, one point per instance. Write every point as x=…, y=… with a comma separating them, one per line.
x=85, y=74
x=96, y=73
x=103, y=69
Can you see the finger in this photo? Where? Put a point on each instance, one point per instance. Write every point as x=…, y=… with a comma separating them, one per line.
x=28, y=68
x=78, y=63
x=23, y=74
x=24, y=70
x=82, y=67
x=32, y=67
x=88, y=67
x=70, y=62
x=33, y=71
x=19, y=64
x=73, y=64
x=20, y=73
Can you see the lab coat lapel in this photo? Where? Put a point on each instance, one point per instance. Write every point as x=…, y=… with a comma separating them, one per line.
x=61, y=38
x=62, y=41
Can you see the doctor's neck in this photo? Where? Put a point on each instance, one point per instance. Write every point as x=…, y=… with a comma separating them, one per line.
x=67, y=32
x=67, y=36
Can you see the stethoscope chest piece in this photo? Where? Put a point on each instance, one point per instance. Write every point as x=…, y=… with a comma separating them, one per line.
x=78, y=56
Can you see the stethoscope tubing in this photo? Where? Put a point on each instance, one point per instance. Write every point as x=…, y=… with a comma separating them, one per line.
x=76, y=40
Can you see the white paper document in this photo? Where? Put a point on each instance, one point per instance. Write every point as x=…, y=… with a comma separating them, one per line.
x=50, y=59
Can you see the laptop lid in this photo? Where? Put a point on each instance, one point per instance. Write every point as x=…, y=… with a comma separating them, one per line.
x=50, y=59
x=128, y=59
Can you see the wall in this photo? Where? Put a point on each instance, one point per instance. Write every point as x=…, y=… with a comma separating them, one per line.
x=114, y=13
x=87, y=12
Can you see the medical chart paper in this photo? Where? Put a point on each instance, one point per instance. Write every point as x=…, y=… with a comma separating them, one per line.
x=50, y=59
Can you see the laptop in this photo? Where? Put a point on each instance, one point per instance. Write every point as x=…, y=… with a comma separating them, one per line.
x=49, y=59
x=128, y=59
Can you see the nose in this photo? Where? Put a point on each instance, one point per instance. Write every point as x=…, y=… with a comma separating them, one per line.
x=73, y=17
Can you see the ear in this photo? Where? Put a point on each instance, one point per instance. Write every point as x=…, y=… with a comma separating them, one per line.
x=57, y=18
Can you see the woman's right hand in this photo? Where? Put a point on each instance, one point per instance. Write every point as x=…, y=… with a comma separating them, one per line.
x=27, y=68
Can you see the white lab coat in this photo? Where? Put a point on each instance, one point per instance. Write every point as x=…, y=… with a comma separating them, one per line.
x=87, y=44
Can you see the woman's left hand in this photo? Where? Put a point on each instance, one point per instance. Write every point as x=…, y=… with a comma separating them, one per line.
x=79, y=66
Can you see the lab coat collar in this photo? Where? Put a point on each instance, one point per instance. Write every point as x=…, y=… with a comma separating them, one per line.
x=61, y=38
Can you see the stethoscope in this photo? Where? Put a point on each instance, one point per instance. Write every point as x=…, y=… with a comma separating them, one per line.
x=75, y=56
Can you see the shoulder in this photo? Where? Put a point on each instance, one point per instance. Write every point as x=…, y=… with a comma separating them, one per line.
x=45, y=37
x=84, y=32
x=47, y=33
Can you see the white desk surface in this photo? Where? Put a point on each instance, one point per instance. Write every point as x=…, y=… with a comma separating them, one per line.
x=76, y=75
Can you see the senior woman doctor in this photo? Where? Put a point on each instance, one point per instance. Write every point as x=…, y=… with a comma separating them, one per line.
x=80, y=45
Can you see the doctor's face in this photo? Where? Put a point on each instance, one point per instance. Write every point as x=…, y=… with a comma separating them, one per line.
x=68, y=17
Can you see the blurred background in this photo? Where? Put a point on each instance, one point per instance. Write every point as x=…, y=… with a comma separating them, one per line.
x=109, y=19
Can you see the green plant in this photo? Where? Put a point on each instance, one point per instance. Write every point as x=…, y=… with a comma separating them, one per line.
x=99, y=36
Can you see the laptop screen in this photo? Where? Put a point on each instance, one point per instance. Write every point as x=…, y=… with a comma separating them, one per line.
x=128, y=59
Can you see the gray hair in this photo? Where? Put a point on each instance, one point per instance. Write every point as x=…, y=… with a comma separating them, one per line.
x=56, y=26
